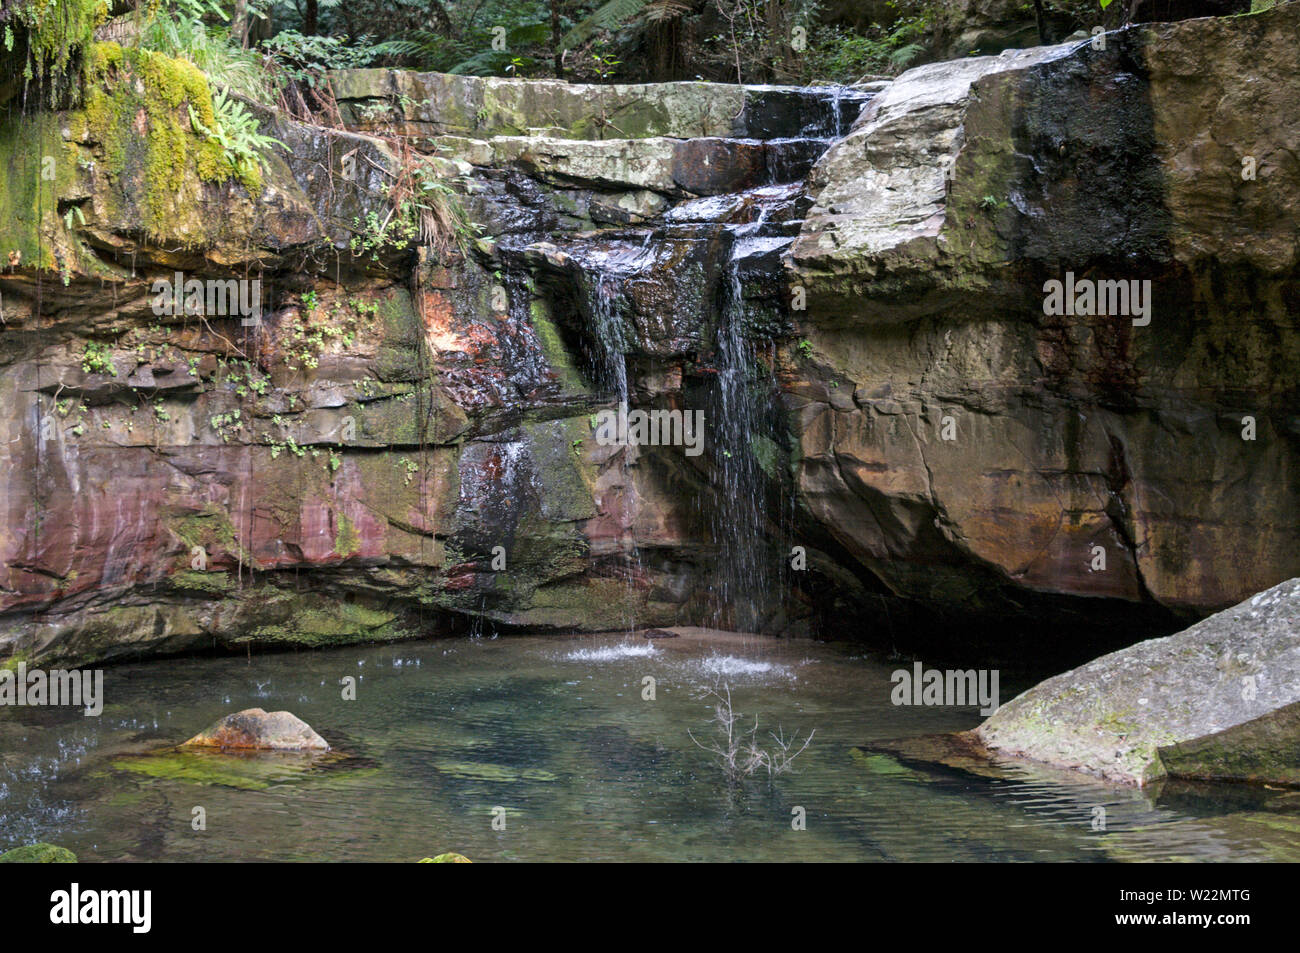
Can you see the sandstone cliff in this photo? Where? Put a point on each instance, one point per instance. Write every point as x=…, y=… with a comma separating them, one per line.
x=403, y=443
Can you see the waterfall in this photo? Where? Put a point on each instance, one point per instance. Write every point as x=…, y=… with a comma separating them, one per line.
x=610, y=336
x=744, y=574
x=611, y=375
x=668, y=327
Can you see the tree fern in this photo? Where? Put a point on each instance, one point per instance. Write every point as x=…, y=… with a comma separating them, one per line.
x=604, y=18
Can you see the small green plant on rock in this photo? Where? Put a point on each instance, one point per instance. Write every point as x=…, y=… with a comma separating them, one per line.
x=412, y=468
x=95, y=359
x=237, y=132
x=227, y=423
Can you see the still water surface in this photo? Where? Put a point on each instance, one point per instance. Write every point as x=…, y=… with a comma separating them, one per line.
x=555, y=731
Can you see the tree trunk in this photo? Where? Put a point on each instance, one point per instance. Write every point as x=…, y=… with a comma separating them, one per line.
x=555, y=39
x=1040, y=16
x=311, y=18
x=440, y=17
x=239, y=23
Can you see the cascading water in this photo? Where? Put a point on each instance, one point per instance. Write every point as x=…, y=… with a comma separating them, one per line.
x=611, y=341
x=609, y=336
x=696, y=292
x=740, y=421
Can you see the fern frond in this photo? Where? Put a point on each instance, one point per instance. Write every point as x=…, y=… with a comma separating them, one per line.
x=604, y=18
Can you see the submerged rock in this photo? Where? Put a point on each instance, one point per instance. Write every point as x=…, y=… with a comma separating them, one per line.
x=659, y=634
x=38, y=854
x=255, y=728
x=1218, y=701
x=247, y=769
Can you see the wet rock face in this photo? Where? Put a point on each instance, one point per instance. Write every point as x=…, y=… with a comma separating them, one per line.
x=330, y=468
x=1219, y=701
x=1087, y=456
x=254, y=728
x=406, y=442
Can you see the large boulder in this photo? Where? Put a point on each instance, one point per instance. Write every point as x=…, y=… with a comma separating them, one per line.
x=1218, y=701
x=972, y=451
x=255, y=728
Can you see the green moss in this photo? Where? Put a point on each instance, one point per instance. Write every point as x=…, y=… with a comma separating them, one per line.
x=10, y=663
x=568, y=488
x=449, y=858
x=311, y=621
x=768, y=454
x=38, y=854
x=248, y=772
x=557, y=355
x=885, y=766
x=173, y=158
x=211, y=529
x=216, y=583
x=57, y=32
x=37, y=171
x=347, y=541
x=104, y=57
x=1119, y=722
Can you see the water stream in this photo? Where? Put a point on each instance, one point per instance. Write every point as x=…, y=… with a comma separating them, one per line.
x=739, y=520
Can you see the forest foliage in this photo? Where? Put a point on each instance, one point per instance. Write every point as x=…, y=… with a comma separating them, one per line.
x=261, y=48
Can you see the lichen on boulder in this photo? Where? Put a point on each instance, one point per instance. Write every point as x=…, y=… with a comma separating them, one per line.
x=1218, y=701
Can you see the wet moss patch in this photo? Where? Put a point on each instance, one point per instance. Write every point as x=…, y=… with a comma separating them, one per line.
x=248, y=771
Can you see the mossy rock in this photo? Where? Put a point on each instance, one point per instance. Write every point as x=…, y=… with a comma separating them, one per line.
x=38, y=854
x=245, y=771
x=886, y=766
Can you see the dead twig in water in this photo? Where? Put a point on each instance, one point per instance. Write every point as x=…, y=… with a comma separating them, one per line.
x=737, y=752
